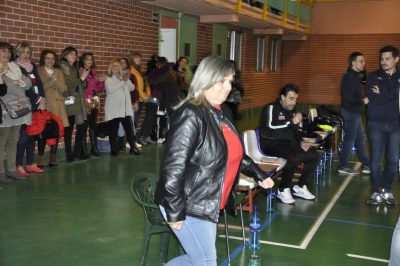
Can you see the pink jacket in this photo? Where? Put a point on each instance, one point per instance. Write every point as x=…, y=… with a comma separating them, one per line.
x=93, y=85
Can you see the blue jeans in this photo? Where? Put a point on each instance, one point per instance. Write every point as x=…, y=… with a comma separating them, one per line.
x=197, y=238
x=353, y=135
x=395, y=250
x=383, y=138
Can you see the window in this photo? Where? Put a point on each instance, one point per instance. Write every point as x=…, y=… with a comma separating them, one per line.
x=273, y=64
x=260, y=54
x=236, y=48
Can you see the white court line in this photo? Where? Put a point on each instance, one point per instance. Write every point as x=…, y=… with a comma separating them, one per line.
x=264, y=242
x=327, y=209
x=310, y=234
x=366, y=258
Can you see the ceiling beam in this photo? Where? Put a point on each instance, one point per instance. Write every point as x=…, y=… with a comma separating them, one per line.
x=294, y=37
x=269, y=31
x=219, y=19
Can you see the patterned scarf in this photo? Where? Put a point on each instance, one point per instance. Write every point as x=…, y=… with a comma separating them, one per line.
x=27, y=65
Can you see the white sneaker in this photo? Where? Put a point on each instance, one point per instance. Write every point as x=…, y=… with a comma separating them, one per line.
x=137, y=145
x=303, y=192
x=285, y=196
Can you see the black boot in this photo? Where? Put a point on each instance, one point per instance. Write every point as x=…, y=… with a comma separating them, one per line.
x=85, y=152
x=93, y=143
x=80, y=150
x=121, y=143
x=114, y=146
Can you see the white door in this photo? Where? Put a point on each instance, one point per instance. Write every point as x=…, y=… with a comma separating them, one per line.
x=167, y=46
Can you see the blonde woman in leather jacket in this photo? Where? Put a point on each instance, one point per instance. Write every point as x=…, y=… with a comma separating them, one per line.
x=201, y=162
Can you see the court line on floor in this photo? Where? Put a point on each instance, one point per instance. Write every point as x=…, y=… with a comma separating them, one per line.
x=309, y=236
x=314, y=228
x=366, y=258
x=341, y=221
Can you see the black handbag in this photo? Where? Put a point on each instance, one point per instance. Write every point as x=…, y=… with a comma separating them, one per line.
x=51, y=130
x=16, y=106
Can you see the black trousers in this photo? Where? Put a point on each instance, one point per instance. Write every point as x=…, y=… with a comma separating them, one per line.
x=92, y=119
x=150, y=120
x=128, y=127
x=25, y=143
x=79, y=137
x=42, y=146
x=294, y=155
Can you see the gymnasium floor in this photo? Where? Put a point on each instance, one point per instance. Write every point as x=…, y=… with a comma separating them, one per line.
x=83, y=214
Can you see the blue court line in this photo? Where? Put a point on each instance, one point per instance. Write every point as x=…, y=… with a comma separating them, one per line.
x=343, y=221
x=239, y=249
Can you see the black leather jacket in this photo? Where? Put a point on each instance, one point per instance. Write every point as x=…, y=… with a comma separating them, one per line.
x=194, y=164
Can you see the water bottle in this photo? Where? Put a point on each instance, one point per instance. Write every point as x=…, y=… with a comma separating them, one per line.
x=254, y=239
x=254, y=260
x=270, y=201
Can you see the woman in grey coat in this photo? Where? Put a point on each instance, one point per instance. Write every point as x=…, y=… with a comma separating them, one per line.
x=17, y=84
x=118, y=106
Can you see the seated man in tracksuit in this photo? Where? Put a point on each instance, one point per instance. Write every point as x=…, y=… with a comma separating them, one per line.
x=280, y=136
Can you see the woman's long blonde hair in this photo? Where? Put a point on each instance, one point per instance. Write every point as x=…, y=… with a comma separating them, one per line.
x=211, y=70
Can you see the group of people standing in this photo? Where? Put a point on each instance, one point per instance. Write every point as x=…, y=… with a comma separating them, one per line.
x=380, y=95
x=63, y=94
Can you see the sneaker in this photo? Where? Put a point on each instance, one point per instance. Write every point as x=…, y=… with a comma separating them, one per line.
x=302, y=192
x=16, y=175
x=33, y=168
x=285, y=196
x=21, y=171
x=150, y=141
x=4, y=179
x=161, y=140
x=136, y=143
x=388, y=197
x=365, y=169
x=346, y=170
x=142, y=141
x=375, y=199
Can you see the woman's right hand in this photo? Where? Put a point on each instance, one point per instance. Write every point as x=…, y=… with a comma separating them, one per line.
x=85, y=73
x=176, y=225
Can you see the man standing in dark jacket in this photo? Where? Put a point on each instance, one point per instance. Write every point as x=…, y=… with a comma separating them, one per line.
x=280, y=136
x=383, y=125
x=352, y=104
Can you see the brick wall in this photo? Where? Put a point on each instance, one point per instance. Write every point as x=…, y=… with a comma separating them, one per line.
x=261, y=87
x=109, y=29
x=113, y=28
x=204, y=41
x=318, y=64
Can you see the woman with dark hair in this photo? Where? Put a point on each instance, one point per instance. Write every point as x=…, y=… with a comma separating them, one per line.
x=200, y=167
x=23, y=52
x=76, y=81
x=95, y=83
x=54, y=89
x=235, y=96
x=17, y=84
x=142, y=89
x=183, y=73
